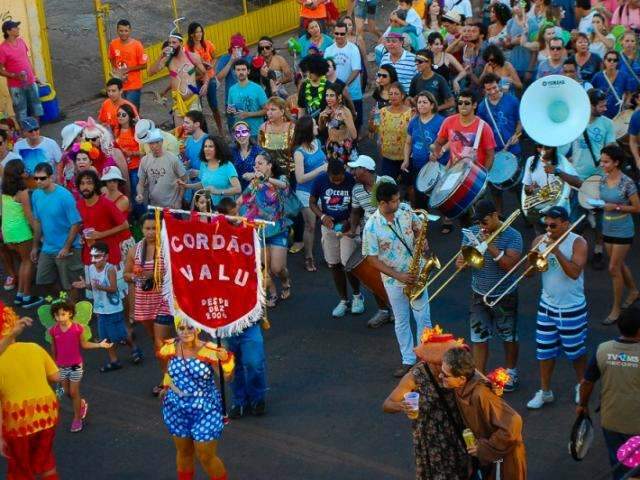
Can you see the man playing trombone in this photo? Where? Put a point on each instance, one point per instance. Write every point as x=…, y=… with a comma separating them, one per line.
x=562, y=312
x=500, y=255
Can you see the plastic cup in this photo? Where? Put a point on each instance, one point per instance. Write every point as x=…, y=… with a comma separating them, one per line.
x=412, y=399
x=85, y=233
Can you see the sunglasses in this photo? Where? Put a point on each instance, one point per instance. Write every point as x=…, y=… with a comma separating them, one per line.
x=611, y=59
x=33, y=130
x=241, y=133
x=93, y=139
x=122, y=114
x=265, y=47
x=382, y=75
x=340, y=34
x=40, y=179
x=185, y=328
x=555, y=48
x=550, y=225
x=465, y=102
x=420, y=62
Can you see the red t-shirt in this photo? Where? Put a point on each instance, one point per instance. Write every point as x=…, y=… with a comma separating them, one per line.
x=102, y=216
x=461, y=139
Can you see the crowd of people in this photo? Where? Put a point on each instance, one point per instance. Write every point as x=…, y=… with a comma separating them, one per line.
x=445, y=81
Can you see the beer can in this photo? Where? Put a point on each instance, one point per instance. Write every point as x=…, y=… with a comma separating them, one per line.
x=469, y=437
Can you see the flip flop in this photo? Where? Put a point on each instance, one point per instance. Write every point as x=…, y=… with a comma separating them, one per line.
x=610, y=321
x=286, y=291
x=309, y=265
x=271, y=301
x=630, y=301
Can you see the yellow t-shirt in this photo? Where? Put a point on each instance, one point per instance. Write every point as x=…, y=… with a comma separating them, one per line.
x=393, y=133
x=28, y=402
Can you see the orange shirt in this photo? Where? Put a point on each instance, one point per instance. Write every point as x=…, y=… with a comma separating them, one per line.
x=318, y=13
x=207, y=54
x=108, y=113
x=130, y=54
x=126, y=140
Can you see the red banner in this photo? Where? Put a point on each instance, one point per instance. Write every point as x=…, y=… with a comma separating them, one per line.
x=213, y=272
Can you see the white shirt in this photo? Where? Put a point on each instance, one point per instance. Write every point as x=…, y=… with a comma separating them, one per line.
x=347, y=59
x=414, y=20
x=586, y=23
x=463, y=7
x=539, y=177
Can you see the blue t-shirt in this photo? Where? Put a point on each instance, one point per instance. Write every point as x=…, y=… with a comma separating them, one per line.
x=248, y=98
x=623, y=83
x=634, y=123
x=506, y=114
x=231, y=79
x=545, y=68
x=57, y=212
x=220, y=179
x=422, y=136
x=192, y=149
x=335, y=199
x=634, y=71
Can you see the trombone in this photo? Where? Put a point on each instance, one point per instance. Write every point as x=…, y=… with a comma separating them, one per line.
x=473, y=256
x=537, y=260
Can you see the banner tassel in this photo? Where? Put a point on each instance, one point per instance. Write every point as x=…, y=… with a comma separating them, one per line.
x=223, y=394
x=266, y=325
x=157, y=267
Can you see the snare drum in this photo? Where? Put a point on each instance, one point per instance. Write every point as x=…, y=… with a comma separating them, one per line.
x=621, y=124
x=459, y=188
x=428, y=176
x=361, y=268
x=589, y=190
x=506, y=171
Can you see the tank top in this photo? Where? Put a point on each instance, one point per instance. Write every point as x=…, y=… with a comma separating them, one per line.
x=443, y=69
x=277, y=144
x=558, y=290
x=311, y=162
x=15, y=226
x=104, y=302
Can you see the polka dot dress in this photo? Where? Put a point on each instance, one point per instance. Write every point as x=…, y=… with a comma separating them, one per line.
x=198, y=413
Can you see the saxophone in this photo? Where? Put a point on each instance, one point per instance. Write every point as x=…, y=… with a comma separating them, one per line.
x=414, y=291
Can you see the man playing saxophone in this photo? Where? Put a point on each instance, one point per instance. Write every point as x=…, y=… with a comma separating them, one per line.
x=500, y=255
x=392, y=236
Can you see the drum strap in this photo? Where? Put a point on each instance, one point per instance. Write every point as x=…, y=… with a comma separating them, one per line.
x=626, y=62
x=476, y=142
x=587, y=140
x=493, y=121
x=613, y=90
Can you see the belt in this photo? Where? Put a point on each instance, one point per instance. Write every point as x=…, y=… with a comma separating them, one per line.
x=616, y=217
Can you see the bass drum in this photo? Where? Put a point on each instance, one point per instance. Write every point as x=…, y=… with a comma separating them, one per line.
x=459, y=188
x=361, y=268
x=506, y=171
x=621, y=125
x=589, y=190
x=428, y=176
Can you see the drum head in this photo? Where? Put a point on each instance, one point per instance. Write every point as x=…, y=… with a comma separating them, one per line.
x=448, y=183
x=581, y=437
x=428, y=176
x=621, y=123
x=504, y=168
x=590, y=189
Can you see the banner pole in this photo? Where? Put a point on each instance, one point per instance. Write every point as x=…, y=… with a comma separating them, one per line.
x=258, y=221
x=223, y=395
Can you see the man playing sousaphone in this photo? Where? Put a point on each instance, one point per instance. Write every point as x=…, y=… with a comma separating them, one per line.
x=469, y=137
x=182, y=66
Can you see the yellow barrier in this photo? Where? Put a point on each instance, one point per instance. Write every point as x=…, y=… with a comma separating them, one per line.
x=272, y=20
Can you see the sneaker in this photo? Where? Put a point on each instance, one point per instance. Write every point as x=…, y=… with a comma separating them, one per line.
x=31, y=301
x=539, y=399
x=9, y=283
x=259, y=408
x=577, y=397
x=18, y=300
x=237, y=411
x=76, y=426
x=597, y=261
x=380, y=318
x=402, y=371
x=513, y=383
x=357, y=304
x=340, y=310
x=84, y=408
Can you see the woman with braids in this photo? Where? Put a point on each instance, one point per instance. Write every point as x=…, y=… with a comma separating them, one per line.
x=337, y=121
x=151, y=306
x=191, y=406
x=311, y=96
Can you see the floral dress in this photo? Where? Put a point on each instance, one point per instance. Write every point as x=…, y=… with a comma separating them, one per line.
x=439, y=451
x=264, y=201
x=192, y=407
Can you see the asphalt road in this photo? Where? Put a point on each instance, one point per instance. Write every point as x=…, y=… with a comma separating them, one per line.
x=327, y=380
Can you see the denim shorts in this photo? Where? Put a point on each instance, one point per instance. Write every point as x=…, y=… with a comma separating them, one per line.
x=364, y=8
x=279, y=240
x=166, y=320
x=111, y=327
x=26, y=101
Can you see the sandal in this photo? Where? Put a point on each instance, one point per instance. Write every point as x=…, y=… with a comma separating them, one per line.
x=631, y=300
x=309, y=265
x=272, y=300
x=157, y=390
x=110, y=367
x=136, y=356
x=286, y=290
x=295, y=248
x=610, y=321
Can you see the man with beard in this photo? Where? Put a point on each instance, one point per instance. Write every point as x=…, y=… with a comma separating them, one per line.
x=246, y=99
x=182, y=66
x=468, y=50
x=584, y=154
x=195, y=126
x=101, y=219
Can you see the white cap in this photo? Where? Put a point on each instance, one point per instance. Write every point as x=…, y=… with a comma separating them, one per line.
x=153, y=136
x=363, y=161
x=143, y=127
x=112, y=173
x=69, y=134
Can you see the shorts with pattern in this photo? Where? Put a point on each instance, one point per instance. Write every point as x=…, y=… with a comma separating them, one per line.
x=561, y=327
x=72, y=373
x=66, y=270
x=503, y=316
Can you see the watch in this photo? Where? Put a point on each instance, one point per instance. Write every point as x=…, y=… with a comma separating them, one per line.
x=500, y=255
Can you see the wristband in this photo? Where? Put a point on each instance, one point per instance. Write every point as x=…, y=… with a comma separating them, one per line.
x=500, y=255
x=322, y=217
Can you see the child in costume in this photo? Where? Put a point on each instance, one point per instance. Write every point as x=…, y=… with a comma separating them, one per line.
x=70, y=332
x=191, y=406
x=29, y=405
x=107, y=303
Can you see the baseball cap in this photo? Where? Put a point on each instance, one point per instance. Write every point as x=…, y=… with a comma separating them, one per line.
x=482, y=209
x=397, y=35
x=154, y=135
x=8, y=25
x=363, y=161
x=557, y=212
x=29, y=123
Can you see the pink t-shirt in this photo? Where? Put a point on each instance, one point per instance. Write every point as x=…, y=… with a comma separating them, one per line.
x=15, y=58
x=462, y=138
x=629, y=17
x=67, y=344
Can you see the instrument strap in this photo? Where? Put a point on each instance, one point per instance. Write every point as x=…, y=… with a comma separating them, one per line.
x=615, y=94
x=626, y=62
x=401, y=239
x=585, y=134
x=493, y=121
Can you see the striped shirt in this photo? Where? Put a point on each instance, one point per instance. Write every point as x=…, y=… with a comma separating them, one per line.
x=151, y=303
x=486, y=277
x=360, y=198
x=405, y=67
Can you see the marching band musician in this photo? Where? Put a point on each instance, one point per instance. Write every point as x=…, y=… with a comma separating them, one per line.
x=544, y=168
x=389, y=241
x=584, y=153
x=501, y=111
x=562, y=311
x=500, y=256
